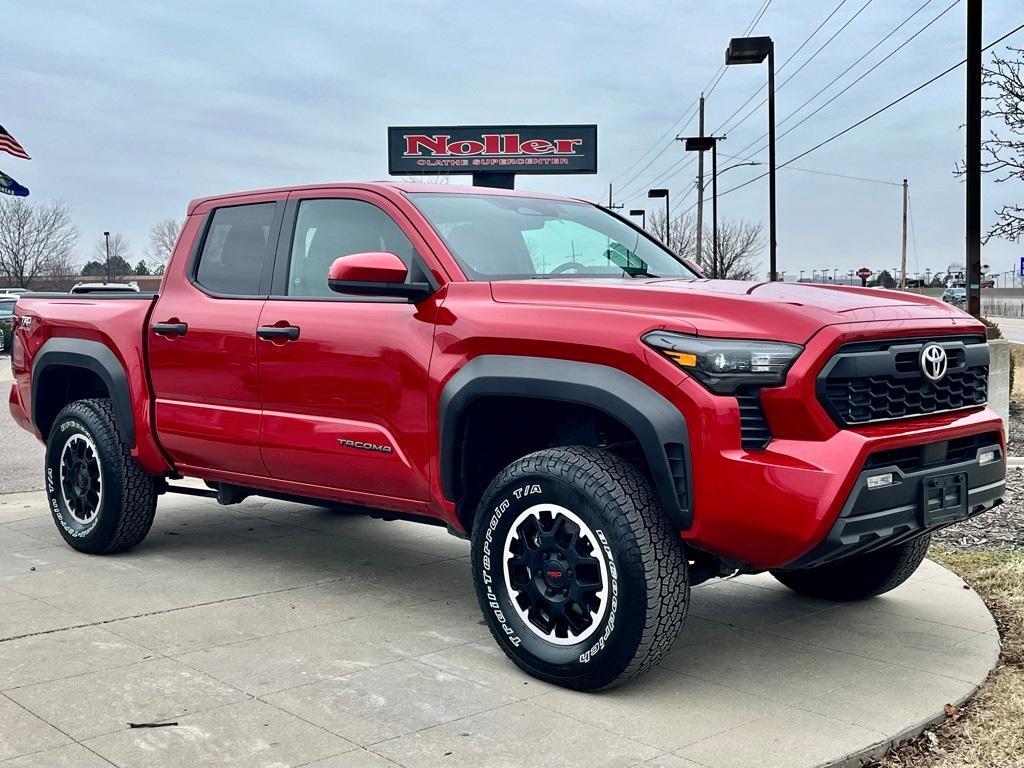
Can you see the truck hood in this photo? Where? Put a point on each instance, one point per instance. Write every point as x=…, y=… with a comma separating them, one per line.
x=734, y=308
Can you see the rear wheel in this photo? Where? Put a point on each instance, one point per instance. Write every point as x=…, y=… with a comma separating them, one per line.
x=101, y=500
x=860, y=576
x=579, y=575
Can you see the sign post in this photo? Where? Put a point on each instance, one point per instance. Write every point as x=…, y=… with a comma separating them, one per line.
x=863, y=273
x=492, y=154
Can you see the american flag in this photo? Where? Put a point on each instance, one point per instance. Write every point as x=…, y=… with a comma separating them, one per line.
x=10, y=145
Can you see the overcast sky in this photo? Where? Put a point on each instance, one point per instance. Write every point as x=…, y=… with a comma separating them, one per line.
x=130, y=110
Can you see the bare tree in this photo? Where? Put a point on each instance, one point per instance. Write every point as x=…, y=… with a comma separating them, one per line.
x=427, y=179
x=683, y=230
x=34, y=237
x=1004, y=154
x=739, y=244
x=162, y=237
x=62, y=271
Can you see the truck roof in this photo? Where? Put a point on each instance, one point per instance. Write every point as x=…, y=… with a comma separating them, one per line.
x=380, y=186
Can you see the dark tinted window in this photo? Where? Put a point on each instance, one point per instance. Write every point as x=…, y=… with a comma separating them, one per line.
x=235, y=250
x=327, y=229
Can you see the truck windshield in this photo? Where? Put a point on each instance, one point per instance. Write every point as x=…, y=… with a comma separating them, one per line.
x=497, y=237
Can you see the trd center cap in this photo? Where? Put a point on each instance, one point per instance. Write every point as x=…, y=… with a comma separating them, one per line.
x=554, y=574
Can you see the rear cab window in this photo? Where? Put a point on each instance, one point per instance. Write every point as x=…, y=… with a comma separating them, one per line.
x=235, y=253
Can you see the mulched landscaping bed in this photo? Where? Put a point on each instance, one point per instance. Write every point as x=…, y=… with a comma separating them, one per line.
x=999, y=528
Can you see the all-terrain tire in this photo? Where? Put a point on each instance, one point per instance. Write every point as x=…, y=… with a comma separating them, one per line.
x=610, y=514
x=860, y=576
x=115, y=512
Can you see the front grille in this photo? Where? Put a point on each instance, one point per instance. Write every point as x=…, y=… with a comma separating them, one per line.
x=882, y=380
x=754, y=431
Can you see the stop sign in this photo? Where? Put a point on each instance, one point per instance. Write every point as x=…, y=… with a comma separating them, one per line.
x=863, y=273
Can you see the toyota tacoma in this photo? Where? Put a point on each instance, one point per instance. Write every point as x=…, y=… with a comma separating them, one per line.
x=537, y=374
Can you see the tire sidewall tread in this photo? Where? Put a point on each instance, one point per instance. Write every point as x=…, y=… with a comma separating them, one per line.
x=646, y=558
x=129, y=493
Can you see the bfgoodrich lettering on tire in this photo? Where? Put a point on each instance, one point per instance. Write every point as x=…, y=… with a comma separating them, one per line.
x=100, y=499
x=580, y=577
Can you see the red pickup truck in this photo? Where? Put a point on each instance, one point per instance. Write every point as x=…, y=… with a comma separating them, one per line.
x=535, y=373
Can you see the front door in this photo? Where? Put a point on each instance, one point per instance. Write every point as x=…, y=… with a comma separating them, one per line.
x=202, y=339
x=343, y=379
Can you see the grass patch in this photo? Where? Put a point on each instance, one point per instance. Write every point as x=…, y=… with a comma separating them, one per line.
x=988, y=732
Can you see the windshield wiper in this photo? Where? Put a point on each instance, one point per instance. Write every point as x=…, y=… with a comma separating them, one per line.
x=637, y=271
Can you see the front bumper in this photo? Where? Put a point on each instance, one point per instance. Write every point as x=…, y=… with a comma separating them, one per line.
x=923, y=496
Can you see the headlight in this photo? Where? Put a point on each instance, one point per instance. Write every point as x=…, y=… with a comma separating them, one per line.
x=722, y=365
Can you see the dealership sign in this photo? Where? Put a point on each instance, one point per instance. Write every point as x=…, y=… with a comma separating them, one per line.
x=492, y=149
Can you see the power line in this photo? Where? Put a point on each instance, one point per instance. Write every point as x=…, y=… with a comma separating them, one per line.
x=823, y=173
x=753, y=96
x=867, y=72
x=683, y=163
x=913, y=232
x=811, y=58
x=871, y=50
x=845, y=176
x=757, y=18
x=874, y=114
x=690, y=113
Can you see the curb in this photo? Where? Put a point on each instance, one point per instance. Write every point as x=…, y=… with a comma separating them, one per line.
x=878, y=750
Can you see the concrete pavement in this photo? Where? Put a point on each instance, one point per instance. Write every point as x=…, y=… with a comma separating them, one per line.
x=21, y=455
x=281, y=635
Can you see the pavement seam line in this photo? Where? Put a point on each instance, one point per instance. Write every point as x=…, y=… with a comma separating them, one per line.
x=103, y=622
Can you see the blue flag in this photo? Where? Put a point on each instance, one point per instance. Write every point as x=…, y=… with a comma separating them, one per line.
x=9, y=186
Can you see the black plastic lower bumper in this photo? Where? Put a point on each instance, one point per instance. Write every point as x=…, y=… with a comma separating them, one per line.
x=919, y=500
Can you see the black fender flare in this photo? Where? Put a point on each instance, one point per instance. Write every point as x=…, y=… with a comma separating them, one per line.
x=92, y=356
x=657, y=424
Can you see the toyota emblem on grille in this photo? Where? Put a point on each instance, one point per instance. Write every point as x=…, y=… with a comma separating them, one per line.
x=934, y=362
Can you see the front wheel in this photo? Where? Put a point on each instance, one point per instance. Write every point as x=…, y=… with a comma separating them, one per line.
x=580, y=577
x=101, y=500
x=860, y=576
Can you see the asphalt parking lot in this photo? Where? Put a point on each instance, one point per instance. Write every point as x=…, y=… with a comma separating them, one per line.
x=281, y=635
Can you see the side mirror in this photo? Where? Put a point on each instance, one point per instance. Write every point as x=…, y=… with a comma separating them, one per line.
x=375, y=273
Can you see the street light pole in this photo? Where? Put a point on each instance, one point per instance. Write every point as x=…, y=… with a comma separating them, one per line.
x=754, y=50
x=642, y=213
x=668, y=222
x=714, y=203
x=771, y=160
x=106, y=236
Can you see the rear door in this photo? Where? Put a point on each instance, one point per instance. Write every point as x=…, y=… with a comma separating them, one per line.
x=344, y=397
x=202, y=337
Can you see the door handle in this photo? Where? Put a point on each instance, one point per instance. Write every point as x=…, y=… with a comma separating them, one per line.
x=278, y=332
x=170, y=329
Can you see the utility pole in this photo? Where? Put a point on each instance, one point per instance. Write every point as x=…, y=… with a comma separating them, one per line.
x=972, y=161
x=700, y=190
x=903, y=258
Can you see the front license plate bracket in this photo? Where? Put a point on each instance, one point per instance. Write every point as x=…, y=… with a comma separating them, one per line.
x=944, y=499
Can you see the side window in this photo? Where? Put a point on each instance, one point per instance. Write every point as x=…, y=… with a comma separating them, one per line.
x=328, y=228
x=235, y=249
